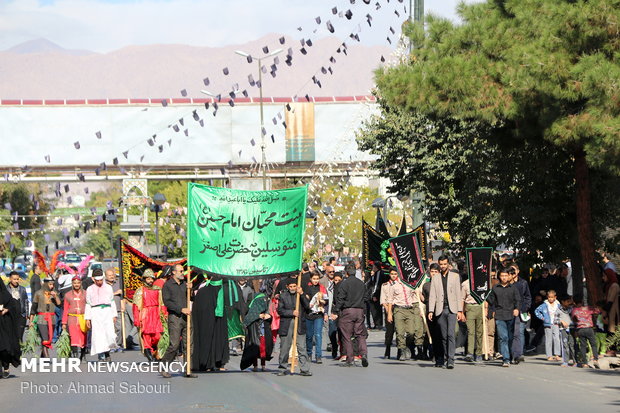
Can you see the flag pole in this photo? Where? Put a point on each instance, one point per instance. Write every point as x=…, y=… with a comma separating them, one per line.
x=188, y=340
x=122, y=282
x=428, y=332
x=485, y=341
x=296, y=324
x=123, y=307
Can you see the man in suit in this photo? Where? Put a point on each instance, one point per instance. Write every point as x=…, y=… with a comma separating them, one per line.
x=446, y=304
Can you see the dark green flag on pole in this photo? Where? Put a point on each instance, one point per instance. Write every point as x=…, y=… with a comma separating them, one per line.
x=403, y=226
x=235, y=233
x=380, y=226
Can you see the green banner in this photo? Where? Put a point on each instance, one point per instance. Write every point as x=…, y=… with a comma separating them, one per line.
x=246, y=233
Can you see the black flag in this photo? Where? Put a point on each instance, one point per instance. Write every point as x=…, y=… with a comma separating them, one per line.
x=479, y=262
x=371, y=245
x=406, y=252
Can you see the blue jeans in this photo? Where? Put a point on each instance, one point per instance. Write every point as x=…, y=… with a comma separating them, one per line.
x=314, y=331
x=505, y=331
x=518, y=343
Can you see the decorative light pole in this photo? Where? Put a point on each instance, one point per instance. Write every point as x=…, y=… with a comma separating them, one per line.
x=385, y=204
x=158, y=200
x=263, y=163
x=311, y=214
x=111, y=218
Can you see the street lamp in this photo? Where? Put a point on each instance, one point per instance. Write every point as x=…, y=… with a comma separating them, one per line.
x=311, y=214
x=111, y=218
x=158, y=200
x=384, y=203
x=262, y=122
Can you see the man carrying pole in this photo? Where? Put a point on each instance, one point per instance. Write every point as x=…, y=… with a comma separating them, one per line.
x=176, y=297
x=293, y=305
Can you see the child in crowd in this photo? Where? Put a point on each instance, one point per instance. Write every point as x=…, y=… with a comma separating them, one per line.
x=566, y=327
x=548, y=312
x=600, y=333
x=582, y=316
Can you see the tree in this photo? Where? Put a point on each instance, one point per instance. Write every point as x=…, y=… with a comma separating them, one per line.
x=536, y=71
x=485, y=191
x=25, y=200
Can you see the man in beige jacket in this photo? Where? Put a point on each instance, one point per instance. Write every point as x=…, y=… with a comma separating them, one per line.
x=446, y=304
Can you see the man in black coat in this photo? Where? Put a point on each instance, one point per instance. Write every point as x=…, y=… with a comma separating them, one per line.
x=288, y=313
x=349, y=311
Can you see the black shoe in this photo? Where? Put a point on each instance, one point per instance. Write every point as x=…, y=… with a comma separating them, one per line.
x=388, y=350
x=515, y=361
x=149, y=354
x=520, y=359
x=329, y=347
x=191, y=376
x=364, y=361
x=305, y=373
x=469, y=358
x=450, y=366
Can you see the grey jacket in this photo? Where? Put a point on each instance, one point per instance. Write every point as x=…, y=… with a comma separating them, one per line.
x=455, y=299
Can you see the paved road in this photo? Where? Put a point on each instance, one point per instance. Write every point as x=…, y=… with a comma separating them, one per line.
x=386, y=385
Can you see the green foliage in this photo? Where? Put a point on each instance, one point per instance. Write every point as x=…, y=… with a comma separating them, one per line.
x=483, y=190
x=100, y=199
x=164, y=340
x=98, y=241
x=63, y=345
x=534, y=69
x=24, y=199
x=33, y=340
x=613, y=341
x=349, y=205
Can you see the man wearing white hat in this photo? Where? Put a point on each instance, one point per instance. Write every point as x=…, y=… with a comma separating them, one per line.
x=100, y=315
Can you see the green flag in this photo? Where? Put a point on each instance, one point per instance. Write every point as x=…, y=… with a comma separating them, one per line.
x=246, y=233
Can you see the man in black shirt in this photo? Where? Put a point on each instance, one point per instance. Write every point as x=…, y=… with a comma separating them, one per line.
x=349, y=310
x=506, y=301
x=174, y=295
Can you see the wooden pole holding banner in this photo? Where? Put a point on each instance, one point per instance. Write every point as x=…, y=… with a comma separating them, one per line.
x=296, y=324
x=188, y=338
x=122, y=283
x=422, y=314
x=485, y=341
x=123, y=323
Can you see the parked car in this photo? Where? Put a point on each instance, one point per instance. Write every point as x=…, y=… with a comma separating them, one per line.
x=93, y=265
x=72, y=258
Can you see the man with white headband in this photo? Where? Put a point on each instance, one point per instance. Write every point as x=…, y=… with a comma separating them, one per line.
x=100, y=316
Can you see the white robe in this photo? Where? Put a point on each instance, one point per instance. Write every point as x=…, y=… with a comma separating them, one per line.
x=103, y=334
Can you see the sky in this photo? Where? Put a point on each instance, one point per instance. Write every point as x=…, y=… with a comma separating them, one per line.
x=107, y=25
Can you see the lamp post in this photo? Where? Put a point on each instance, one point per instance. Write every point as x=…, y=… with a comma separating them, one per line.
x=384, y=204
x=111, y=218
x=262, y=122
x=158, y=200
x=311, y=214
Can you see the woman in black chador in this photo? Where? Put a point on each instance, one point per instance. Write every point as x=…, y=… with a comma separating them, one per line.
x=10, y=351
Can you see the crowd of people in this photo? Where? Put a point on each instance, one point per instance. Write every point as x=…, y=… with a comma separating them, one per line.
x=522, y=314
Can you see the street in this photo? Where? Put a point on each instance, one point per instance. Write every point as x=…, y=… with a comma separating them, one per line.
x=386, y=385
